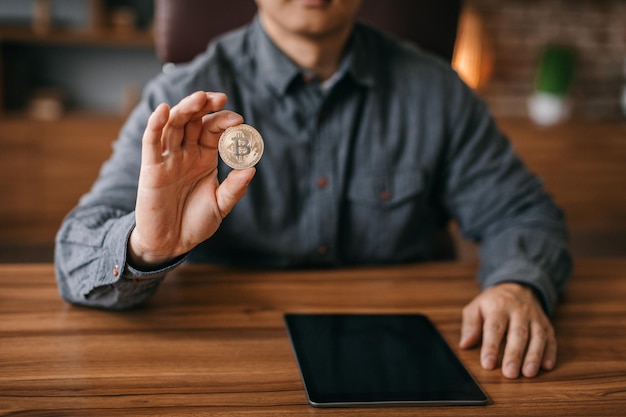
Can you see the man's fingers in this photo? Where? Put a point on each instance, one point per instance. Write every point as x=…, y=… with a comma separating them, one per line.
x=194, y=130
x=187, y=113
x=471, y=326
x=493, y=332
x=195, y=106
x=512, y=310
x=151, y=150
x=549, y=356
x=232, y=189
x=214, y=124
x=536, y=349
x=517, y=340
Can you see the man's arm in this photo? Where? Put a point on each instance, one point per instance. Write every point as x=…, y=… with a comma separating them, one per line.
x=140, y=218
x=525, y=260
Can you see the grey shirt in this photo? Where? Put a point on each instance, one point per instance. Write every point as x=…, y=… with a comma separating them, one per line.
x=364, y=171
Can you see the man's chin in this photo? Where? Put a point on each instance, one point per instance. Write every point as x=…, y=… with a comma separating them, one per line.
x=315, y=3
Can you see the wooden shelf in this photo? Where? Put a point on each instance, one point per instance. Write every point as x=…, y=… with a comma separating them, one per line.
x=78, y=37
x=45, y=166
x=71, y=117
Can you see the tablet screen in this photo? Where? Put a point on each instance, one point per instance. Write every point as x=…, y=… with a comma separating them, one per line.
x=378, y=359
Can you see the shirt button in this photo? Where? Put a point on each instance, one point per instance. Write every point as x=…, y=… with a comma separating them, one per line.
x=385, y=195
x=322, y=182
x=322, y=250
x=308, y=79
x=116, y=270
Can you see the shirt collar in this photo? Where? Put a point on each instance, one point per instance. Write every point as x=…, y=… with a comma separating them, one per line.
x=278, y=70
x=362, y=62
x=275, y=68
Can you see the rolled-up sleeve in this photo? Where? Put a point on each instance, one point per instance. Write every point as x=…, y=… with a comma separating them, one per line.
x=90, y=261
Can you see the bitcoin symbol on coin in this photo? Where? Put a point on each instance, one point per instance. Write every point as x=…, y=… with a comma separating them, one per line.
x=241, y=146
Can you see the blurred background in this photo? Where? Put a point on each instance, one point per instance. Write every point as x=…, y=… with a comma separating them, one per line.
x=552, y=71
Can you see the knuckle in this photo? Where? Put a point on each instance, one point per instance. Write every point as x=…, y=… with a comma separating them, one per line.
x=491, y=348
x=497, y=303
x=540, y=334
x=496, y=327
x=545, y=330
x=519, y=332
x=524, y=310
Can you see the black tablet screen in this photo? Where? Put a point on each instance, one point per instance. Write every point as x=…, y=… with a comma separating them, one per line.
x=369, y=359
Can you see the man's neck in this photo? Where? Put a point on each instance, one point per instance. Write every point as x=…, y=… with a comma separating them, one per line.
x=320, y=55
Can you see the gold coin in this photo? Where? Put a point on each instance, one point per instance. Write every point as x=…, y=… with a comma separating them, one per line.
x=241, y=146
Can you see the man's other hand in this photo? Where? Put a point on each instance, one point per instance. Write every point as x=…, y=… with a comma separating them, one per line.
x=510, y=314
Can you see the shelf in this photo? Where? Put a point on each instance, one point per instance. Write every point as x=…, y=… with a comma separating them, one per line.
x=78, y=37
x=71, y=117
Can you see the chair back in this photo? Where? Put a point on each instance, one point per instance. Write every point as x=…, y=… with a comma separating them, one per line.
x=183, y=28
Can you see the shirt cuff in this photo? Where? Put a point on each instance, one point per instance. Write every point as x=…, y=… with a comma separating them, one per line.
x=115, y=266
x=133, y=273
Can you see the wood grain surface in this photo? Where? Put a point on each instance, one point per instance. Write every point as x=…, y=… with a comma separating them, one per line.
x=212, y=342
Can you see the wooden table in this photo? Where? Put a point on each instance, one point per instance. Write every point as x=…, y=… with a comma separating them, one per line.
x=212, y=342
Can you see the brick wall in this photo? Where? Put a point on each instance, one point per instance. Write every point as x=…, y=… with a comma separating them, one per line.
x=519, y=29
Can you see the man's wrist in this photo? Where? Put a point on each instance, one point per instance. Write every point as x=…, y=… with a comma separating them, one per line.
x=141, y=260
x=527, y=288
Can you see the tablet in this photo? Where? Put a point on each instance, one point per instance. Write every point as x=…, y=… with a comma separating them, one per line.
x=378, y=360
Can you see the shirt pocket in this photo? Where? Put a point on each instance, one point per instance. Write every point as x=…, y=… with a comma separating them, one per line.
x=387, y=218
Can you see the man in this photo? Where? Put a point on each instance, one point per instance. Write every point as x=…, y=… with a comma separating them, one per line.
x=371, y=146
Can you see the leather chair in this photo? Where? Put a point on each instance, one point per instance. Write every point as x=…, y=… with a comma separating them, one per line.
x=183, y=28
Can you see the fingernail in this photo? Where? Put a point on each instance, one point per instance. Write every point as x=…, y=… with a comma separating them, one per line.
x=489, y=362
x=233, y=116
x=548, y=364
x=511, y=370
x=466, y=340
x=531, y=369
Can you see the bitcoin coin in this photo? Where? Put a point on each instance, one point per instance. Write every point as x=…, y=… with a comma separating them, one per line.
x=241, y=146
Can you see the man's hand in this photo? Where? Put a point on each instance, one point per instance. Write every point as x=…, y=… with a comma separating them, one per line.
x=179, y=200
x=510, y=311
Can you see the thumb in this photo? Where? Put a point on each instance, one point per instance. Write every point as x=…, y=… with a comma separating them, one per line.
x=471, y=327
x=232, y=189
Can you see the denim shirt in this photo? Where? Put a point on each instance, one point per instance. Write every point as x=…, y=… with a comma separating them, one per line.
x=365, y=171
